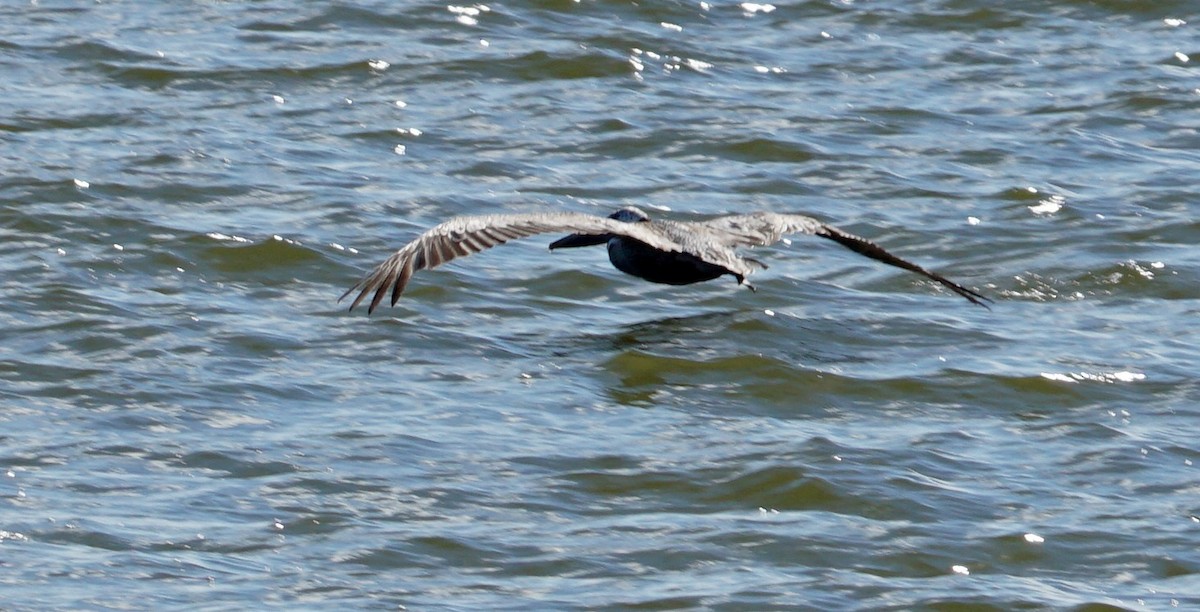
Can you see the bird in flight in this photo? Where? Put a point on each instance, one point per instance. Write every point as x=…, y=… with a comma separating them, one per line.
x=670, y=252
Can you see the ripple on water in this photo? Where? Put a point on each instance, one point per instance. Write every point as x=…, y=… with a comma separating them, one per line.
x=232, y=256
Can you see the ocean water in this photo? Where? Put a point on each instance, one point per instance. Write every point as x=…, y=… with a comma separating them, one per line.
x=190, y=420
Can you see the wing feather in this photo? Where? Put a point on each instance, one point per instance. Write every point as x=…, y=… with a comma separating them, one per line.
x=759, y=229
x=495, y=236
x=862, y=246
x=504, y=234
x=763, y=228
x=430, y=255
x=474, y=244
x=398, y=287
x=445, y=251
x=709, y=246
x=464, y=236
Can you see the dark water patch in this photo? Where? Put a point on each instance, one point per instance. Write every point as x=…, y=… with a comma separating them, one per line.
x=28, y=194
x=385, y=558
x=339, y=17
x=569, y=463
x=118, y=450
x=900, y=120
x=206, y=79
x=33, y=461
x=755, y=150
x=198, y=543
x=85, y=121
x=661, y=142
x=77, y=535
x=161, y=190
x=772, y=185
x=775, y=485
x=262, y=345
x=546, y=13
x=234, y=258
x=542, y=65
x=31, y=373
x=100, y=338
x=966, y=19
x=309, y=523
x=233, y=466
x=87, y=51
x=357, y=434
x=98, y=490
x=679, y=602
x=390, y=136
x=571, y=288
x=1141, y=279
x=639, y=194
x=800, y=387
x=609, y=125
x=321, y=486
x=645, y=485
x=1167, y=232
x=779, y=488
x=636, y=368
x=1149, y=104
x=497, y=170
x=468, y=553
x=1022, y=194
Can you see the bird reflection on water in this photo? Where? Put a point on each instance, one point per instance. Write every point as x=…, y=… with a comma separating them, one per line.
x=668, y=252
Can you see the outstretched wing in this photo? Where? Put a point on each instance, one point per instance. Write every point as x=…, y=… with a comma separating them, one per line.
x=464, y=236
x=766, y=228
x=863, y=246
x=759, y=229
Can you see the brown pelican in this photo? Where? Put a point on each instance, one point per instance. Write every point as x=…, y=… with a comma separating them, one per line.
x=670, y=252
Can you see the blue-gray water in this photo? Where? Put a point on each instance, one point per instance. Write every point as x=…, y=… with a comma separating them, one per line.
x=189, y=420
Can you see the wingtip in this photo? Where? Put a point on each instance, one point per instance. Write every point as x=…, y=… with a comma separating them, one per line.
x=353, y=303
x=974, y=297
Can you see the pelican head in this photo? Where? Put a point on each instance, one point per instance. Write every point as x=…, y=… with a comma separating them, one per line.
x=630, y=214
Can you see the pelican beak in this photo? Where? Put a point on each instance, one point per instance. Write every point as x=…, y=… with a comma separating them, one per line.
x=579, y=240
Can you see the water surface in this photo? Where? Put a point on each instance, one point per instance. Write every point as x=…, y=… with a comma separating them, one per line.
x=188, y=419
